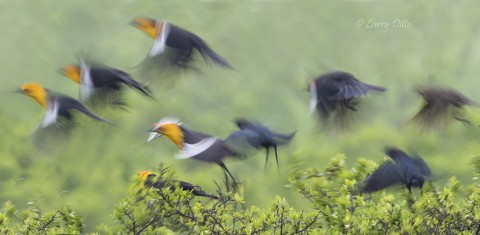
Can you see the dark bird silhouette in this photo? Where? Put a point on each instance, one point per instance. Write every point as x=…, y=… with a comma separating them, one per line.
x=181, y=41
x=337, y=92
x=266, y=137
x=101, y=84
x=59, y=107
x=200, y=146
x=59, y=118
x=148, y=179
x=410, y=171
x=440, y=104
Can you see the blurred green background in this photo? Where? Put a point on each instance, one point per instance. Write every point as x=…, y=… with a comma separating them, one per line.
x=275, y=46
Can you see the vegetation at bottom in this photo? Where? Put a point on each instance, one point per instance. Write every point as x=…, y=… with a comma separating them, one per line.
x=337, y=207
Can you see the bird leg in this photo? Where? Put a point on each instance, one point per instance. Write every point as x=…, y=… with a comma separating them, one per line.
x=276, y=157
x=350, y=106
x=234, y=182
x=266, y=159
x=460, y=118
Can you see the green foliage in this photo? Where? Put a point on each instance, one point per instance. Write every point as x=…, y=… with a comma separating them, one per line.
x=152, y=211
x=275, y=46
x=337, y=208
x=36, y=221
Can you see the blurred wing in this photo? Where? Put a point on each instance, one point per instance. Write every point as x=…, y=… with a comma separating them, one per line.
x=422, y=166
x=70, y=103
x=125, y=78
x=52, y=113
x=281, y=138
x=386, y=175
x=432, y=114
x=86, y=87
x=313, y=96
x=242, y=142
x=158, y=46
x=352, y=88
x=191, y=150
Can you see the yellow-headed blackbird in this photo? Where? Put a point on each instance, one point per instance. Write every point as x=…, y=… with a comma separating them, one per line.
x=101, y=84
x=410, y=171
x=148, y=179
x=59, y=107
x=337, y=92
x=440, y=104
x=180, y=40
x=200, y=146
x=267, y=138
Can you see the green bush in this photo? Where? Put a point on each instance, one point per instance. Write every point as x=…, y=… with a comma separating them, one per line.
x=337, y=207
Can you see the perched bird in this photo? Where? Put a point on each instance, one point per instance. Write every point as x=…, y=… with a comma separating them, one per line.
x=337, y=92
x=101, y=84
x=181, y=41
x=59, y=107
x=410, y=171
x=267, y=138
x=148, y=179
x=440, y=104
x=199, y=146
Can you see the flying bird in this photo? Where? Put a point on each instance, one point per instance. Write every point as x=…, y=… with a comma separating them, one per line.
x=440, y=104
x=101, y=84
x=199, y=146
x=337, y=92
x=149, y=180
x=410, y=171
x=181, y=41
x=59, y=107
x=266, y=138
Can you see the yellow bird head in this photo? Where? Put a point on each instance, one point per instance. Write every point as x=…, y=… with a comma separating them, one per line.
x=169, y=127
x=35, y=91
x=149, y=26
x=71, y=71
x=143, y=175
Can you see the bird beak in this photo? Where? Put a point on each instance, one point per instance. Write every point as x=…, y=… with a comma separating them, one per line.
x=153, y=135
x=20, y=91
x=134, y=23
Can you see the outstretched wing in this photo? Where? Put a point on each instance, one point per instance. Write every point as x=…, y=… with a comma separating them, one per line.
x=67, y=103
x=384, y=176
x=350, y=87
x=242, y=142
x=125, y=78
x=422, y=166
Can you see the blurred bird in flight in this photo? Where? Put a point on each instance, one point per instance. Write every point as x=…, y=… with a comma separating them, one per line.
x=102, y=85
x=410, y=171
x=266, y=137
x=59, y=117
x=440, y=104
x=196, y=145
x=336, y=94
x=181, y=42
x=59, y=107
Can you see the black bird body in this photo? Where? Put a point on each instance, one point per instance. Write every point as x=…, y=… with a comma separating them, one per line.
x=440, y=104
x=173, y=184
x=180, y=40
x=337, y=91
x=266, y=137
x=114, y=79
x=66, y=104
x=412, y=172
x=216, y=152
